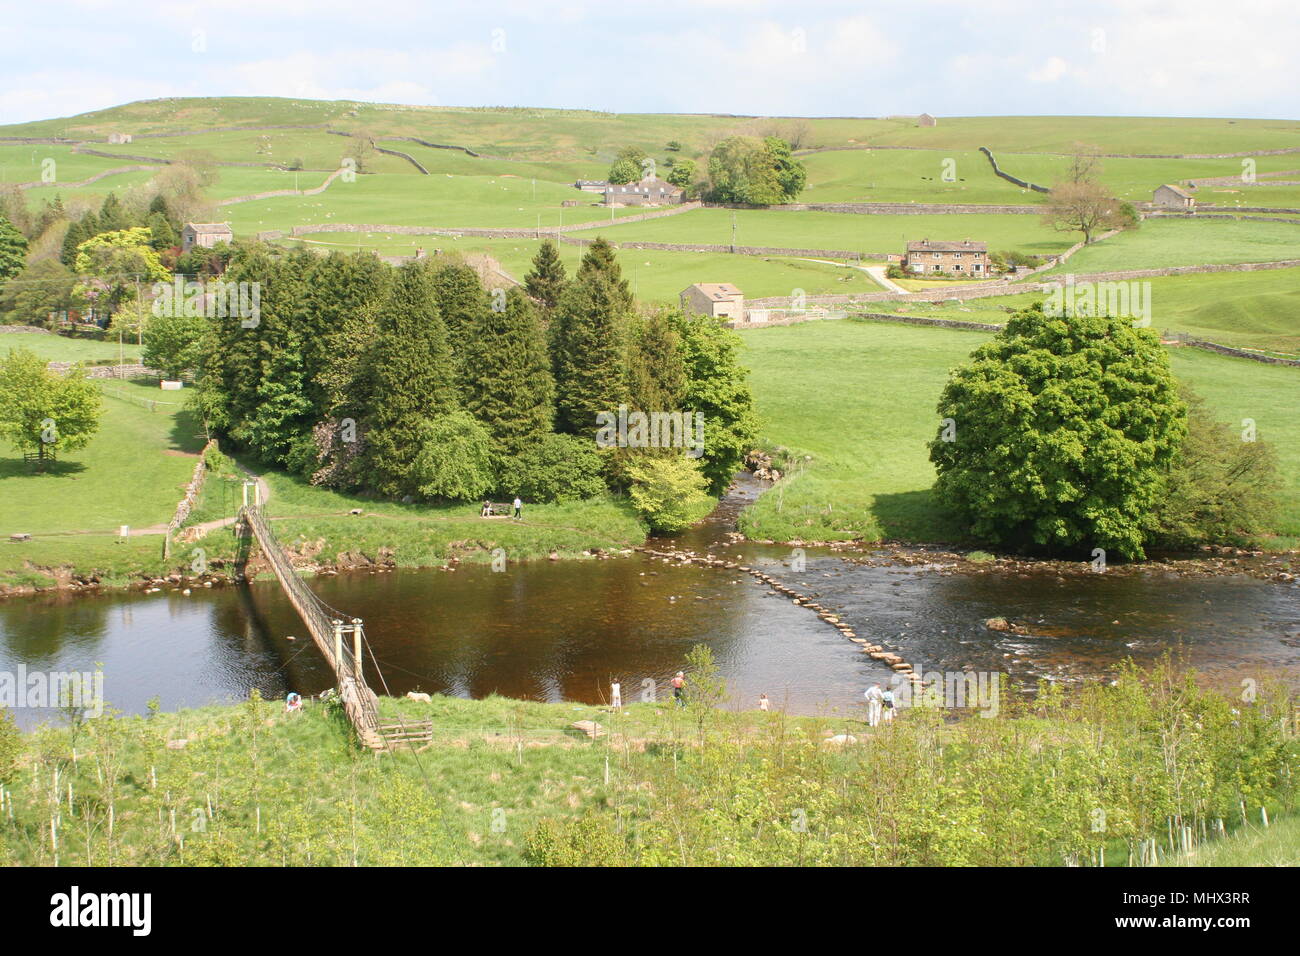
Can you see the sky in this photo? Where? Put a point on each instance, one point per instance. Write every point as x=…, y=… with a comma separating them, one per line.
x=810, y=58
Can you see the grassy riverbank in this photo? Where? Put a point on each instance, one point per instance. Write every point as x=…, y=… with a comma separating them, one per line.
x=869, y=475
x=508, y=782
x=135, y=470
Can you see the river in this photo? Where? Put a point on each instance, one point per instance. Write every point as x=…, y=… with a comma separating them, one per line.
x=561, y=630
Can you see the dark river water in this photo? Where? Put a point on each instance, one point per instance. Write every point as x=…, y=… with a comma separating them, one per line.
x=561, y=630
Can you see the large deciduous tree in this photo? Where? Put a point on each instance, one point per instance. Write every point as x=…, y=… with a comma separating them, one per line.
x=1058, y=435
x=745, y=169
x=717, y=385
x=43, y=412
x=1080, y=203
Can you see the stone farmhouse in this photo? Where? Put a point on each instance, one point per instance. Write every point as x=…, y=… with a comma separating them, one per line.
x=648, y=192
x=205, y=234
x=949, y=258
x=721, y=300
x=119, y=139
x=591, y=185
x=1173, y=197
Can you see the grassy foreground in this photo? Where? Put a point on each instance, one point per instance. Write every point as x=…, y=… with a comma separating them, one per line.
x=509, y=782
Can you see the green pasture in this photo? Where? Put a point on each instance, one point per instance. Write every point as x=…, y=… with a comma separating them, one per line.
x=849, y=231
x=1159, y=243
x=859, y=398
x=66, y=348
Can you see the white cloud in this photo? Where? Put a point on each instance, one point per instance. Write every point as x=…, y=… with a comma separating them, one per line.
x=1049, y=72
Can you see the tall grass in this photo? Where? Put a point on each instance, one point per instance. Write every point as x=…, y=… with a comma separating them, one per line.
x=1089, y=776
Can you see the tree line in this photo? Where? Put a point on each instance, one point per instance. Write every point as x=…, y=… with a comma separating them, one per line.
x=418, y=383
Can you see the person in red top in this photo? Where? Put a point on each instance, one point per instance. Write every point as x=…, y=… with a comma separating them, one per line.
x=679, y=689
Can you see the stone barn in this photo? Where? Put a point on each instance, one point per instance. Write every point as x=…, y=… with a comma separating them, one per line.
x=1169, y=196
x=205, y=234
x=722, y=300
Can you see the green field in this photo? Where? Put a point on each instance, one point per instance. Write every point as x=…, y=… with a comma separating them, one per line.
x=442, y=200
x=917, y=175
x=66, y=348
x=27, y=164
x=1244, y=309
x=859, y=397
x=830, y=230
x=132, y=472
x=1185, y=242
x=549, y=134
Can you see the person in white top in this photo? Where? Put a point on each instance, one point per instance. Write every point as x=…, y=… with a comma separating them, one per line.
x=616, y=694
x=519, y=507
x=875, y=703
x=762, y=702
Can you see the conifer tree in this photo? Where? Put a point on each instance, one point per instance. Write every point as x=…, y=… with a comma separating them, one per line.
x=656, y=372
x=461, y=302
x=587, y=351
x=599, y=260
x=507, y=371
x=113, y=216
x=547, y=279
x=74, y=237
x=336, y=322
x=409, y=378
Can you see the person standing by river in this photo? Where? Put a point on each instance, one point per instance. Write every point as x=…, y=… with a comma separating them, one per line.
x=875, y=703
x=519, y=508
x=616, y=694
x=887, y=702
x=679, y=689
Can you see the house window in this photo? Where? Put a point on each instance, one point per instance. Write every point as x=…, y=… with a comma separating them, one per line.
x=956, y=255
x=918, y=266
x=957, y=267
x=976, y=267
x=937, y=267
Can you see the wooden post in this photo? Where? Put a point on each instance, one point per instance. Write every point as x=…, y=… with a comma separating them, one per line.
x=356, y=646
x=338, y=643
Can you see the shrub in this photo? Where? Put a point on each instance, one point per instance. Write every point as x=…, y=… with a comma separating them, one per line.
x=558, y=468
x=1221, y=487
x=669, y=492
x=455, y=458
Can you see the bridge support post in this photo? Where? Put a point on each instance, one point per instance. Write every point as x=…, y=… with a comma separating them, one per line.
x=356, y=645
x=338, y=643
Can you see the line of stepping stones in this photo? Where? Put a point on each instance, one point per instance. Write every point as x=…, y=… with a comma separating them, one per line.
x=875, y=651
